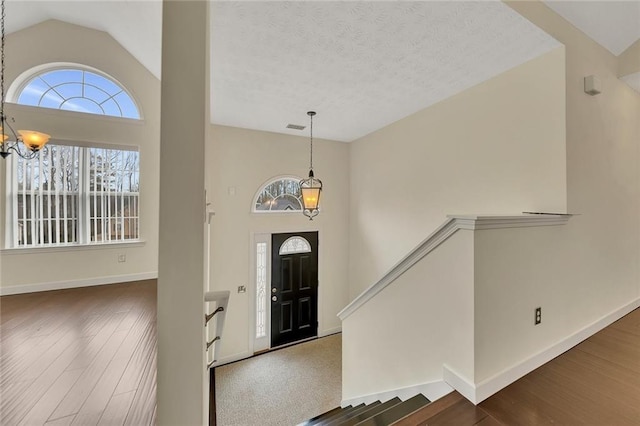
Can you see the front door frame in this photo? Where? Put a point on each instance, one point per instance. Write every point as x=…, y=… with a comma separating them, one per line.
x=262, y=344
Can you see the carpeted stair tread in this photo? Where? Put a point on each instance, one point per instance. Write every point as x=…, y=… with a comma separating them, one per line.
x=372, y=411
x=396, y=412
x=319, y=418
x=340, y=413
x=345, y=416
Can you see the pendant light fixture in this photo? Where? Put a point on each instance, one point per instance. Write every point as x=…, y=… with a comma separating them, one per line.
x=32, y=140
x=311, y=187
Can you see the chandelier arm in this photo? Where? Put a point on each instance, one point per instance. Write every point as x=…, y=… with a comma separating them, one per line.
x=29, y=155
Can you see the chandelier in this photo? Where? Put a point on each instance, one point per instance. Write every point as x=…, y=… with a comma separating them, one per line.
x=32, y=140
x=311, y=187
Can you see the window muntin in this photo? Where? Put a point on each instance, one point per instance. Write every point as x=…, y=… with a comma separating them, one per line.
x=282, y=195
x=75, y=195
x=78, y=90
x=294, y=245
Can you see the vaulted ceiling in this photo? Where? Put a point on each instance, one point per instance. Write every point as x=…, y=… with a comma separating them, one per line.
x=361, y=65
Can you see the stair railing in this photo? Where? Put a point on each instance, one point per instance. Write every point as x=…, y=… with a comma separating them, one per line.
x=214, y=329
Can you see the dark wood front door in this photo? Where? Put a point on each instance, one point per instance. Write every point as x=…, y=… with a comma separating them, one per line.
x=294, y=287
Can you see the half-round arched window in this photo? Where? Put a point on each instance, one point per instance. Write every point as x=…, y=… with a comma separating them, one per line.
x=281, y=194
x=295, y=245
x=73, y=88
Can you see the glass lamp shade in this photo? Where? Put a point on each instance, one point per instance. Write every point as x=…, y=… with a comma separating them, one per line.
x=311, y=189
x=33, y=140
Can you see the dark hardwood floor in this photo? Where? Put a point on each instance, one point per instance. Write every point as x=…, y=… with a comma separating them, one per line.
x=595, y=383
x=82, y=356
x=87, y=356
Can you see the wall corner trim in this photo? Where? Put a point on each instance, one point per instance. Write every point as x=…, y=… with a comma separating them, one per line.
x=61, y=285
x=447, y=229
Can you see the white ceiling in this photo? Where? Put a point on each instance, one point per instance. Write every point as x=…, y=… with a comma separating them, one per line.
x=361, y=65
x=613, y=24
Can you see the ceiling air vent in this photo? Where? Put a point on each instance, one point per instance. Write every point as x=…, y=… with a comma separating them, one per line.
x=295, y=127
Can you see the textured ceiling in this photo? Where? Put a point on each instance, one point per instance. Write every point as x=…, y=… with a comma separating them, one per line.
x=360, y=65
x=613, y=24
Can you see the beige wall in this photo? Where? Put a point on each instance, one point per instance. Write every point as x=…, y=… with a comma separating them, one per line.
x=603, y=177
x=54, y=41
x=495, y=148
x=240, y=162
x=580, y=274
x=629, y=60
x=403, y=336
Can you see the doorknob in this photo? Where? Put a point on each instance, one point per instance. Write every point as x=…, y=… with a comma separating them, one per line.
x=273, y=290
x=274, y=298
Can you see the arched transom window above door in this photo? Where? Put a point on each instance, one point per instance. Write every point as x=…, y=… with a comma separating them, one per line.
x=75, y=88
x=295, y=245
x=281, y=195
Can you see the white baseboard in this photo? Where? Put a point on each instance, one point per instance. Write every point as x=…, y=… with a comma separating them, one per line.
x=459, y=383
x=477, y=393
x=432, y=390
x=330, y=331
x=61, y=285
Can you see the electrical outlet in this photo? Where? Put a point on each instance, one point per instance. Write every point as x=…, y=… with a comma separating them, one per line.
x=122, y=258
x=538, y=317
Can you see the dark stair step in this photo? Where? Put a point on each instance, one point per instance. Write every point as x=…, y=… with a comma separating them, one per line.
x=422, y=415
x=337, y=414
x=396, y=412
x=345, y=416
x=371, y=412
x=319, y=418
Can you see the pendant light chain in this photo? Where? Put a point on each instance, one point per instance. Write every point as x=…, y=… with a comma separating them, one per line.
x=9, y=139
x=311, y=132
x=2, y=35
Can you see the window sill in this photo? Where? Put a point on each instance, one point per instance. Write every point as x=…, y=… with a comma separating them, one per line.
x=73, y=247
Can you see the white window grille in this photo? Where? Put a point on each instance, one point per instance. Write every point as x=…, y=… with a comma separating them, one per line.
x=113, y=195
x=46, y=197
x=261, y=290
x=295, y=245
x=73, y=195
x=80, y=90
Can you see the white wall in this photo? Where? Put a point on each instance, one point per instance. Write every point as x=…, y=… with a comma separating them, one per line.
x=603, y=178
x=495, y=148
x=583, y=274
x=54, y=41
x=243, y=160
x=404, y=335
